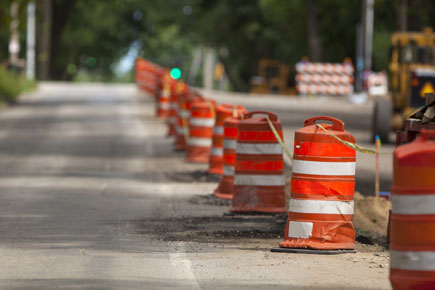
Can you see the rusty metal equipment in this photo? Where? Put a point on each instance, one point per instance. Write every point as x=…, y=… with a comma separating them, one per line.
x=412, y=71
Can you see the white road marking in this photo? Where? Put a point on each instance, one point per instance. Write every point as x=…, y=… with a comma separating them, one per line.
x=183, y=267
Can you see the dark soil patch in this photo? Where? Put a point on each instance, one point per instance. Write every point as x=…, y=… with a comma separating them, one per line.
x=194, y=176
x=210, y=200
x=370, y=239
x=235, y=229
x=222, y=229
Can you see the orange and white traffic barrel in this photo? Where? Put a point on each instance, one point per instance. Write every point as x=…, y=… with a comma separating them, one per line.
x=142, y=74
x=259, y=168
x=171, y=121
x=183, y=113
x=412, y=235
x=178, y=89
x=164, y=99
x=217, y=152
x=159, y=73
x=225, y=187
x=201, y=124
x=322, y=186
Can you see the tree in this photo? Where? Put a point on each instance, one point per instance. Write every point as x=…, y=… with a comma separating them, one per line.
x=313, y=36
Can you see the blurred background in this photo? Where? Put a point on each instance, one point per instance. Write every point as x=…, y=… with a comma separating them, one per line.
x=79, y=40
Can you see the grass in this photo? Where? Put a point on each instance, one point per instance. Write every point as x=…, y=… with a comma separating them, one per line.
x=12, y=85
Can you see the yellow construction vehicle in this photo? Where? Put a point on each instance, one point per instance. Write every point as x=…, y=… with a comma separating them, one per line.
x=412, y=71
x=272, y=78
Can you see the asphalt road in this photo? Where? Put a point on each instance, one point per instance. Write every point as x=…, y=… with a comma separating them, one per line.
x=93, y=197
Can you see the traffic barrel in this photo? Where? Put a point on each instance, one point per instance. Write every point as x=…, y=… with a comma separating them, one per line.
x=141, y=74
x=201, y=123
x=412, y=238
x=216, y=154
x=164, y=98
x=259, y=168
x=182, y=125
x=322, y=186
x=225, y=188
x=158, y=74
x=178, y=89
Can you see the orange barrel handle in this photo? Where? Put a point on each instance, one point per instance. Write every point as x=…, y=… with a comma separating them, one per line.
x=272, y=116
x=427, y=134
x=337, y=125
x=228, y=106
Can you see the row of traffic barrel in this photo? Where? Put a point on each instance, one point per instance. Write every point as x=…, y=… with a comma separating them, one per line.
x=244, y=149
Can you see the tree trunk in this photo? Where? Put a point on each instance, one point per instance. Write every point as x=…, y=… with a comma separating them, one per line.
x=44, y=41
x=61, y=14
x=235, y=81
x=313, y=35
x=402, y=16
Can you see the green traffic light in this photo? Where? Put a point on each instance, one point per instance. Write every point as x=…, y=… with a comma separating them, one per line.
x=175, y=73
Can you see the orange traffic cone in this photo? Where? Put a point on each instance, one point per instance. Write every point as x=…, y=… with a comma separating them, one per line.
x=216, y=155
x=259, y=169
x=201, y=123
x=322, y=187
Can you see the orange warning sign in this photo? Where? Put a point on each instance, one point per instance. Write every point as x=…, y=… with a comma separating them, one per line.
x=427, y=88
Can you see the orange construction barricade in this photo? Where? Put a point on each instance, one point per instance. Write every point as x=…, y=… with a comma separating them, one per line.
x=322, y=187
x=216, y=154
x=225, y=187
x=201, y=123
x=412, y=235
x=259, y=169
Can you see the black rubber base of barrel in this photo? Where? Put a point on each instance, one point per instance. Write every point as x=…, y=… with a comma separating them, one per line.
x=311, y=251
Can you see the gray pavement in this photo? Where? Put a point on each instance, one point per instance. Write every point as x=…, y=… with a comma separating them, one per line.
x=92, y=197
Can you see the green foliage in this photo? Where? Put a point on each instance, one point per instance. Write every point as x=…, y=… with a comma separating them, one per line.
x=381, y=49
x=90, y=37
x=11, y=85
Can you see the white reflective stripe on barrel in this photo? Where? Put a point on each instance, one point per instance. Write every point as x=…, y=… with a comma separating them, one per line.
x=166, y=94
x=185, y=113
x=323, y=168
x=300, y=229
x=414, y=261
x=258, y=148
x=413, y=203
x=172, y=119
x=180, y=130
x=228, y=170
x=174, y=106
x=164, y=106
x=200, y=142
x=320, y=206
x=259, y=180
x=216, y=151
x=201, y=122
x=230, y=144
x=218, y=130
